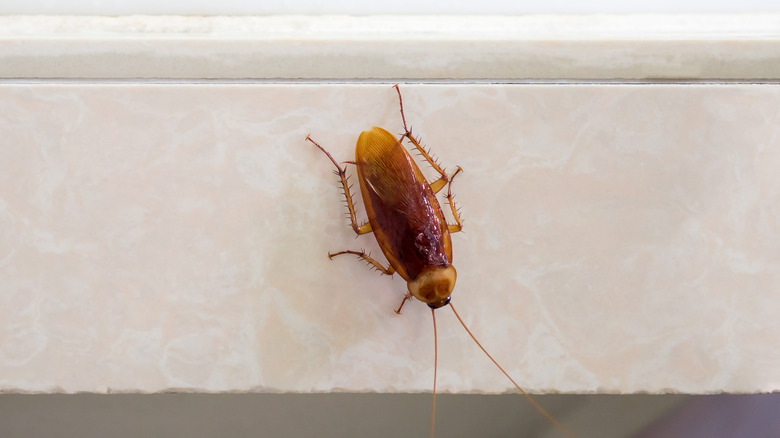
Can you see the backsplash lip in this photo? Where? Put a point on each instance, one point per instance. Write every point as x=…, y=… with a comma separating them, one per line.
x=389, y=48
x=562, y=27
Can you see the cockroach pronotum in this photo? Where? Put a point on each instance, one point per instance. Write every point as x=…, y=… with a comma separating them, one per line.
x=408, y=223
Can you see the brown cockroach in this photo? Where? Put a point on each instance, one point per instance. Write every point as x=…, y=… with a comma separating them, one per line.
x=409, y=225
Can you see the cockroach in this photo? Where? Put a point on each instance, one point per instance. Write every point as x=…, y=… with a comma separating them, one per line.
x=408, y=223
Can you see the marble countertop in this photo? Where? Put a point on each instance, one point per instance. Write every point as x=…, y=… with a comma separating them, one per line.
x=618, y=238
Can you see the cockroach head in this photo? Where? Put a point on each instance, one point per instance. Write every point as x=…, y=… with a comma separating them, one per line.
x=434, y=285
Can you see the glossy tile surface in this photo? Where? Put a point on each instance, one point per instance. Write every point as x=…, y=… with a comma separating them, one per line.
x=617, y=238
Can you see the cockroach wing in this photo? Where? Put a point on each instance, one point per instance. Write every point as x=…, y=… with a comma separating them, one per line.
x=404, y=213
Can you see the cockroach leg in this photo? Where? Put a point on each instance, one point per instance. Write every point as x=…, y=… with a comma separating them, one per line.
x=365, y=257
x=423, y=152
x=359, y=229
x=439, y=184
x=458, y=225
x=407, y=297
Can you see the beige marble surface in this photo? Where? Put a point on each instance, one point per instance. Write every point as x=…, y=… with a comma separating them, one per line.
x=617, y=238
x=591, y=46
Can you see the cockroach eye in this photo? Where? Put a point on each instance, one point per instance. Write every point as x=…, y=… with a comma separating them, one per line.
x=440, y=304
